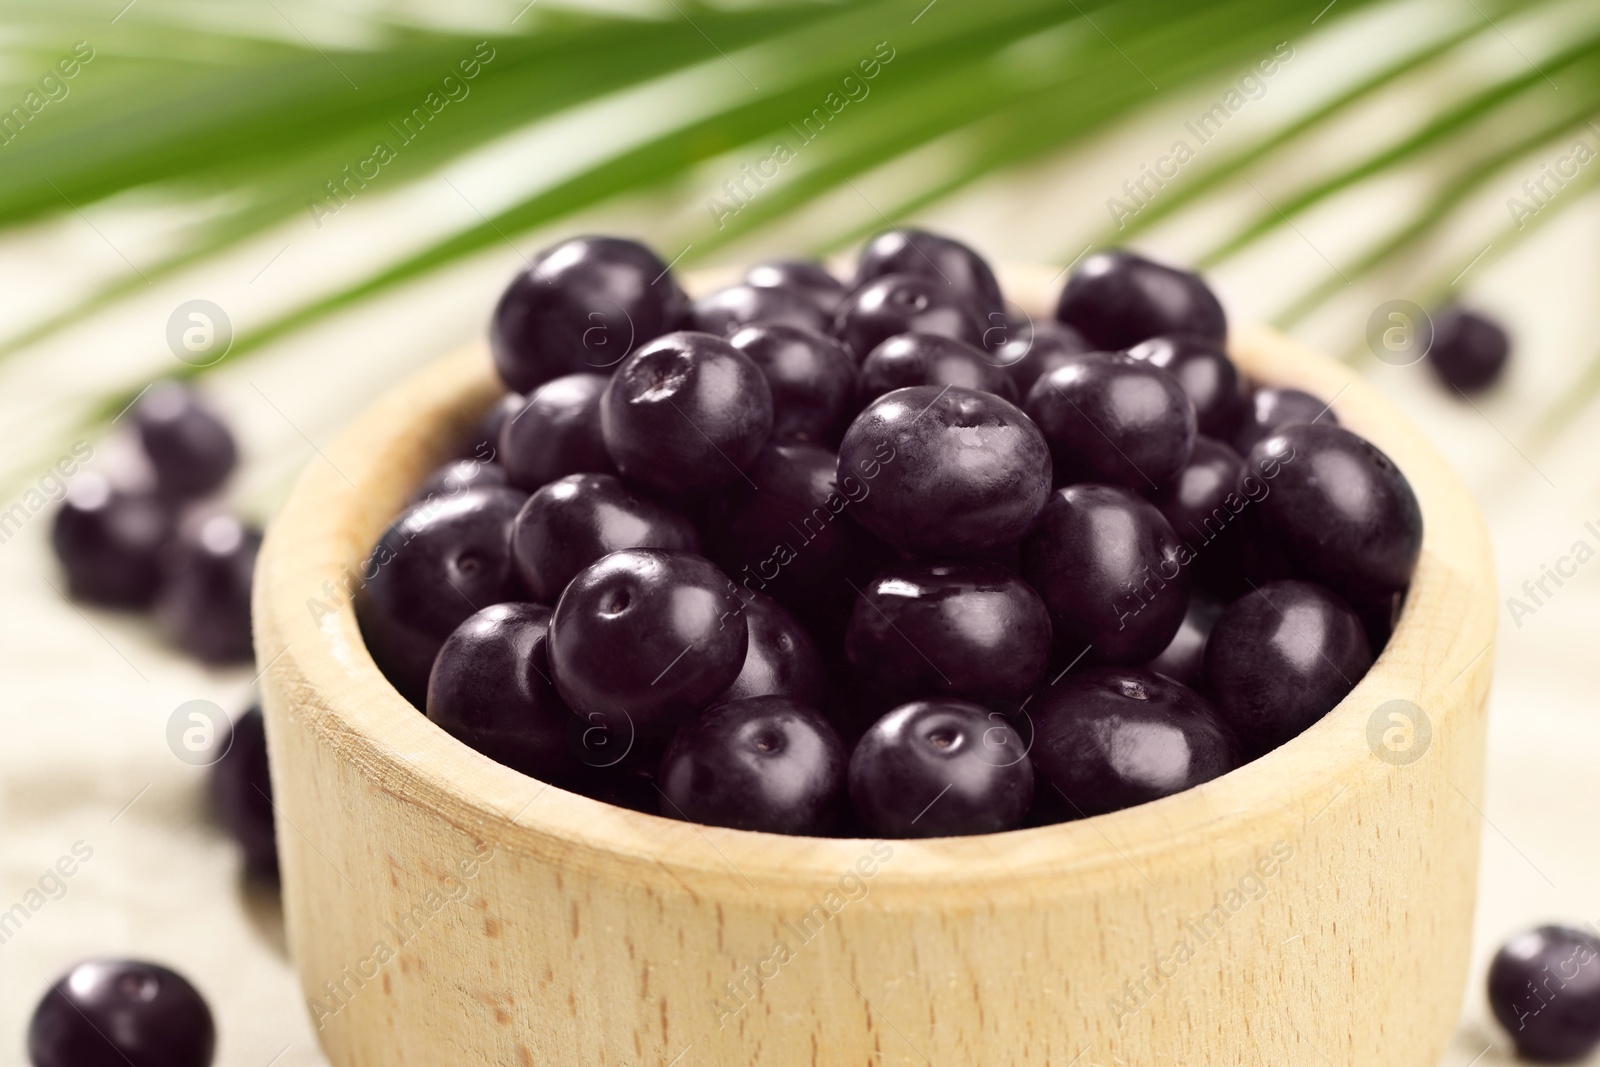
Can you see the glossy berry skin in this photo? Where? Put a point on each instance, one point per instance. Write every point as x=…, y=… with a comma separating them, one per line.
x=204, y=602
x=1544, y=987
x=1206, y=373
x=964, y=629
x=909, y=359
x=768, y=763
x=1206, y=504
x=652, y=634
x=686, y=413
x=1110, y=570
x=782, y=659
x=803, y=277
x=1108, y=738
x=575, y=520
x=1191, y=500
x=491, y=689
x=953, y=471
x=1271, y=407
x=190, y=447
x=1184, y=658
x=458, y=476
x=1039, y=349
x=943, y=259
x=121, y=1013
x=1117, y=299
x=583, y=305
x=1340, y=510
x=903, y=303
x=484, y=443
x=813, y=380
x=789, y=531
x=1469, y=352
x=726, y=311
x=241, y=795
x=940, y=768
x=1115, y=421
x=109, y=542
x=433, y=567
x=556, y=432
x=1280, y=658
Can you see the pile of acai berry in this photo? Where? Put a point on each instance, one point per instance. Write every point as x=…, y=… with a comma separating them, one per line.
x=884, y=556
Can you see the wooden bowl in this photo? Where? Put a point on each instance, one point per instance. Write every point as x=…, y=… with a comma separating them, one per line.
x=1313, y=907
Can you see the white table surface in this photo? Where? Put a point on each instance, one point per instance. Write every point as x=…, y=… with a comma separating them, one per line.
x=85, y=695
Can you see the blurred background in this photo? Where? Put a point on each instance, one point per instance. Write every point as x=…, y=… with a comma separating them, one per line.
x=340, y=189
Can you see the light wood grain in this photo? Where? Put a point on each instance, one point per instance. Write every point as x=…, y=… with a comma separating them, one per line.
x=588, y=934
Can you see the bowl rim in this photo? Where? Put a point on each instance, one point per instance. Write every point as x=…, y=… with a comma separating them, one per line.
x=1438, y=657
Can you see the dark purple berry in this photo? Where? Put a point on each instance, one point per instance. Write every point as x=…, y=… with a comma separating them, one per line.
x=1000, y=328
x=1282, y=657
x=788, y=531
x=484, y=442
x=189, y=446
x=109, y=542
x=241, y=795
x=1205, y=504
x=1114, y=420
x=1117, y=299
x=970, y=629
x=458, y=476
x=812, y=378
x=903, y=303
x=1544, y=987
x=1108, y=738
x=1270, y=408
x=726, y=311
x=1339, y=510
x=1380, y=617
x=951, y=470
x=575, y=520
x=121, y=1013
x=782, y=659
x=1184, y=658
x=686, y=413
x=1039, y=349
x=1469, y=352
x=204, y=602
x=491, y=689
x=629, y=783
x=803, y=277
x=940, y=768
x=648, y=634
x=1110, y=570
x=768, y=763
x=583, y=305
x=1195, y=502
x=909, y=359
x=1207, y=374
x=947, y=261
x=556, y=432
x=433, y=567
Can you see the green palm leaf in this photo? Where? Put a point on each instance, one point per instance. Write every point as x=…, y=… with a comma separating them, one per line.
x=253, y=126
